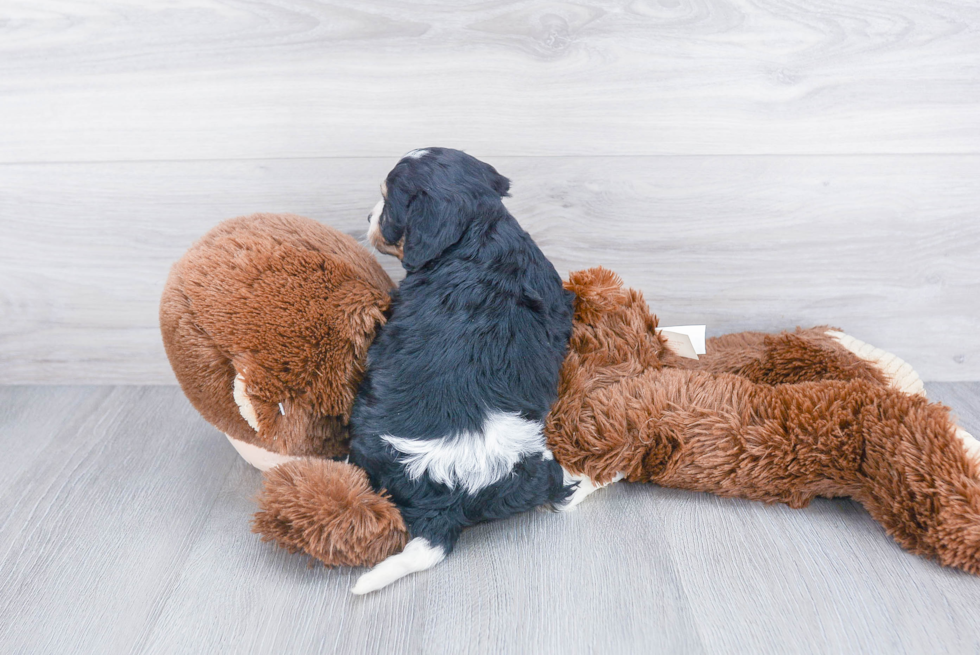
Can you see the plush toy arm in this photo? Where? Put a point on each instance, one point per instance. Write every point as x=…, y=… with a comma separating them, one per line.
x=328, y=510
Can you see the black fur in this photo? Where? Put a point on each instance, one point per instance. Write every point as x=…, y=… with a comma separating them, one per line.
x=480, y=323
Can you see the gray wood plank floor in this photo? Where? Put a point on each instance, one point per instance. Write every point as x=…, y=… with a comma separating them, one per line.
x=124, y=528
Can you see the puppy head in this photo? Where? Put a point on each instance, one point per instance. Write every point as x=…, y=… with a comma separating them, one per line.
x=429, y=199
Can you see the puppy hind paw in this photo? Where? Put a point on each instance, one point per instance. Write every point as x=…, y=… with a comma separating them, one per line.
x=418, y=555
x=368, y=582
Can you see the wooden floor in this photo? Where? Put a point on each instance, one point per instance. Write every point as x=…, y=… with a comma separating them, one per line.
x=124, y=528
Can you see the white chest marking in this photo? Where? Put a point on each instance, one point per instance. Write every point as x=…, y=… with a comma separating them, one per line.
x=473, y=460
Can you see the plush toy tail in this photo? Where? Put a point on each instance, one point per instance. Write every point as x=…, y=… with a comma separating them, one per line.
x=922, y=480
x=328, y=510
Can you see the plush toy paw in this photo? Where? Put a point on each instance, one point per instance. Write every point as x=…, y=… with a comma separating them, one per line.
x=328, y=510
x=970, y=445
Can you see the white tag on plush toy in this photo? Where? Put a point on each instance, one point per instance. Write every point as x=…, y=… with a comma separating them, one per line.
x=695, y=332
x=685, y=340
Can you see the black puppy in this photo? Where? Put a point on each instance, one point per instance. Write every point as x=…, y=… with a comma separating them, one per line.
x=448, y=420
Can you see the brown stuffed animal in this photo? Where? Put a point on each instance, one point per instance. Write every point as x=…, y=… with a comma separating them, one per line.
x=784, y=417
x=266, y=321
x=777, y=418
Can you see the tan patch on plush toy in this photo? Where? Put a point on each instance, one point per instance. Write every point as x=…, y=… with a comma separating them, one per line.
x=899, y=374
x=328, y=510
x=285, y=306
x=260, y=458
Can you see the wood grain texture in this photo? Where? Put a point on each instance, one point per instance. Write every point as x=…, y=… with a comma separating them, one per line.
x=881, y=246
x=117, y=80
x=125, y=524
x=95, y=530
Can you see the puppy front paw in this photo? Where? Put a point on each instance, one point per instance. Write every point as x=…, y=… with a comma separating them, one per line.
x=586, y=486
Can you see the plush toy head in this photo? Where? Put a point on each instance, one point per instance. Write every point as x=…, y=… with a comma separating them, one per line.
x=266, y=321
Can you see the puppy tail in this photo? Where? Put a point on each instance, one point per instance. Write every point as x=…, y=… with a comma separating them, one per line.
x=328, y=510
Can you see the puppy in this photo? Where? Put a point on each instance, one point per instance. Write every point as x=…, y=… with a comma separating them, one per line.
x=448, y=419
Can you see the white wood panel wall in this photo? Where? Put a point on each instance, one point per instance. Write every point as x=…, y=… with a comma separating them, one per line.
x=751, y=165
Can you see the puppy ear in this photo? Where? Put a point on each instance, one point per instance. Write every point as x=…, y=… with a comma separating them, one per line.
x=431, y=225
x=498, y=182
x=501, y=184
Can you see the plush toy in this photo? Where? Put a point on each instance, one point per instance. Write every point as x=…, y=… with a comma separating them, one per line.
x=777, y=418
x=276, y=309
x=266, y=321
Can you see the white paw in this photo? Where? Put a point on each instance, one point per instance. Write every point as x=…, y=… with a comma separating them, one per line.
x=368, y=582
x=586, y=486
x=900, y=375
x=418, y=555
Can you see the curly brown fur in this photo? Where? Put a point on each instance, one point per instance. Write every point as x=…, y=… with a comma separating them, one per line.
x=289, y=304
x=328, y=510
x=622, y=409
x=613, y=338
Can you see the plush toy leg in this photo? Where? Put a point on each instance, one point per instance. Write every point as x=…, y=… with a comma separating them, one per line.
x=899, y=455
x=328, y=510
x=922, y=481
x=806, y=355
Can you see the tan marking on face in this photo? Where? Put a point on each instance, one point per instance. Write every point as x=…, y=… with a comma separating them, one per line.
x=397, y=249
x=377, y=240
